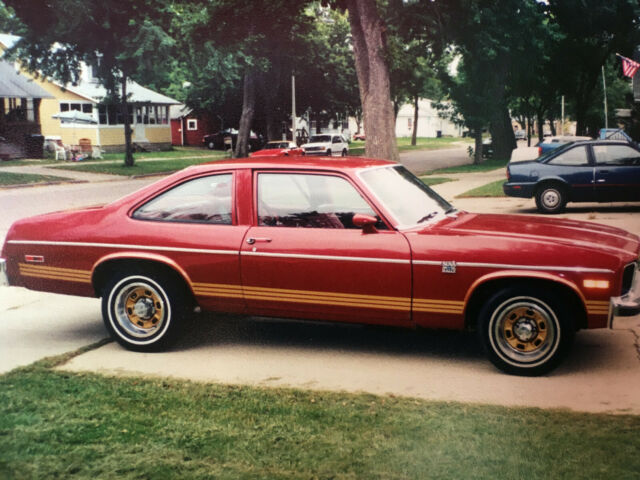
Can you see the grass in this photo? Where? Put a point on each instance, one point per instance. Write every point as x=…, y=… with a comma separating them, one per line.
x=146, y=167
x=435, y=180
x=404, y=144
x=8, y=178
x=493, y=189
x=486, y=166
x=60, y=425
x=175, y=152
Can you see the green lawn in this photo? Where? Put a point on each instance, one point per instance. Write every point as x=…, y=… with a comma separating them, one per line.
x=7, y=178
x=485, y=166
x=85, y=426
x=435, y=180
x=422, y=143
x=146, y=167
x=175, y=152
x=493, y=189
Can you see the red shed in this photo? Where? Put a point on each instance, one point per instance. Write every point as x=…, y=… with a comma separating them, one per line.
x=188, y=127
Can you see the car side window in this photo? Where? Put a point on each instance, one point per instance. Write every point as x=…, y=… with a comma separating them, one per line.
x=309, y=201
x=336, y=139
x=201, y=200
x=619, y=155
x=575, y=156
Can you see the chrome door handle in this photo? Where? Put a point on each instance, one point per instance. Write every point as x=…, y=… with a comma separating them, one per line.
x=252, y=240
x=601, y=180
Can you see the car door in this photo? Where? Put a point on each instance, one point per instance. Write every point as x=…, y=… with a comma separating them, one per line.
x=195, y=224
x=304, y=258
x=574, y=167
x=617, y=172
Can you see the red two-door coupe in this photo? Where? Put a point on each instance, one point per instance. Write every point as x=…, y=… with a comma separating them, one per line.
x=280, y=148
x=352, y=240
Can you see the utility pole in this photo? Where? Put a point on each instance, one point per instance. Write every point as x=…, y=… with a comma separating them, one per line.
x=606, y=113
x=562, y=117
x=293, y=108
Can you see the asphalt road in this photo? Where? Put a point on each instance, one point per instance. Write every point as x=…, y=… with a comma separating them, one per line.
x=601, y=375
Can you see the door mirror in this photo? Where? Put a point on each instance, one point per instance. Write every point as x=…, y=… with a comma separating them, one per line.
x=366, y=222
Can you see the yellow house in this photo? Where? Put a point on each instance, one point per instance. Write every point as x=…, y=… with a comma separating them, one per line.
x=102, y=125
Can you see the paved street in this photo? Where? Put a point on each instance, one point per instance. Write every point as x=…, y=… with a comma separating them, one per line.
x=602, y=373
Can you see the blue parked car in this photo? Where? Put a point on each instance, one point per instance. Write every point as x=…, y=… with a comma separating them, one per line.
x=583, y=171
x=550, y=143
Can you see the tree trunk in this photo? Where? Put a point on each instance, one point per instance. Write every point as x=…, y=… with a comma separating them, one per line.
x=414, y=134
x=552, y=126
x=502, y=137
x=248, y=110
x=540, y=122
x=369, y=48
x=124, y=105
x=477, y=154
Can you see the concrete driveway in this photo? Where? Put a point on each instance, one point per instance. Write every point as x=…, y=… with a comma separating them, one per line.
x=602, y=374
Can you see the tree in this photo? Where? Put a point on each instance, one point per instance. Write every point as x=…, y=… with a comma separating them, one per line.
x=594, y=30
x=121, y=39
x=370, y=53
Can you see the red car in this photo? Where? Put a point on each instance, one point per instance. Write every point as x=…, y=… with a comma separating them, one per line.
x=354, y=240
x=279, y=148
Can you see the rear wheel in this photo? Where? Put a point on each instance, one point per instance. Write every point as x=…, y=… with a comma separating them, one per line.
x=211, y=145
x=525, y=331
x=143, y=311
x=328, y=152
x=551, y=198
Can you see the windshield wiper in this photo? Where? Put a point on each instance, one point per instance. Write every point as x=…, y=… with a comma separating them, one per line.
x=428, y=216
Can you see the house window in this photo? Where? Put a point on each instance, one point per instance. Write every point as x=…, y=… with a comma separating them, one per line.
x=81, y=107
x=192, y=124
x=409, y=123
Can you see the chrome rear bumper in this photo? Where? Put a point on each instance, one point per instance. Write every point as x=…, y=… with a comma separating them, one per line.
x=628, y=304
x=4, y=280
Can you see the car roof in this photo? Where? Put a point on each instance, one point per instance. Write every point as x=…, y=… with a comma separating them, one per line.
x=293, y=162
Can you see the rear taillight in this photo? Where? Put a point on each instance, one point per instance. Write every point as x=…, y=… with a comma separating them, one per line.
x=539, y=151
x=508, y=174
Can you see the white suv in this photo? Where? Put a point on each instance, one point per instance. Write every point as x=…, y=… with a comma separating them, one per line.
x=330, y=144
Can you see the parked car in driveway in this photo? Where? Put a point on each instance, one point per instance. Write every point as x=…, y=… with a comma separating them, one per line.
x=549, y=143
x=279, y=148
x=329, y=144
x=216, y=141
x=583, y=171
x=350, y=240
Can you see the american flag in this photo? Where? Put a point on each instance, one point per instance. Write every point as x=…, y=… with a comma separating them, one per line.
x=629, y=67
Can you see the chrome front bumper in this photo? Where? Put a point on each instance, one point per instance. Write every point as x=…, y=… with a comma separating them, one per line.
x=626, y=305
x=4, y=280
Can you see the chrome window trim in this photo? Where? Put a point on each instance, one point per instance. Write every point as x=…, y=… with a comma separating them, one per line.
x=516, y=267
x=326, y=257
x=124, y=245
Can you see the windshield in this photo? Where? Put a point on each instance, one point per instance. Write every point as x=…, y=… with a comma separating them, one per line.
x=319, y=138
x=408, y=199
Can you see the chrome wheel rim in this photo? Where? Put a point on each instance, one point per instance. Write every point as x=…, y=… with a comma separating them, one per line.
x=524, y=331
x=139, y=309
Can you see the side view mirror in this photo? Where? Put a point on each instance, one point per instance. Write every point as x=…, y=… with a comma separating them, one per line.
x=366, y=222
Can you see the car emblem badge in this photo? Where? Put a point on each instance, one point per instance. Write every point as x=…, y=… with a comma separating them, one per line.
x=448, y=267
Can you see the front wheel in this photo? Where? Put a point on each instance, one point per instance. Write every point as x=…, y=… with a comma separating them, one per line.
x=143, y=311
x=344, y=152
x=551, y=199
x=525, y=331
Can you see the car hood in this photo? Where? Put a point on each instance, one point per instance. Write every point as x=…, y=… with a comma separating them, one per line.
x=274, y=152
x=524, y=240
x=551, y=231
